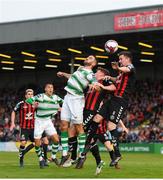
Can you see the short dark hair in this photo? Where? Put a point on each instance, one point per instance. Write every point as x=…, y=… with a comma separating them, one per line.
x=48, y=83
x=105, y=71
x=127, y=54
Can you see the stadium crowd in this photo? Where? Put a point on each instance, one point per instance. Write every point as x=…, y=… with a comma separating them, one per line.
x=144, y=117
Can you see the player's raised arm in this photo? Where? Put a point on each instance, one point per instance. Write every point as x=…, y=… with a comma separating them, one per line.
x=122, y=69
x=113, y=79
x=108, y=88
x=63, y=74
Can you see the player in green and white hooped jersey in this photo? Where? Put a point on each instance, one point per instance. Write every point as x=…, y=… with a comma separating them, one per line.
x=48, y=105
x=73, y=105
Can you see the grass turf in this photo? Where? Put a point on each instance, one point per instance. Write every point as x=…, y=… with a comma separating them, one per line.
x=132, y=166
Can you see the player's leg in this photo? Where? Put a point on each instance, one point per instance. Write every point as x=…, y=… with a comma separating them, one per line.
x=107, y=141
x=73, y=144
x=65, y=120
x=96, y=153
x=23, y=141
x=88, y=116
x=38, y=131
x=31, y=138
x=51, y=131
x=118, y=107
x=114, y=134
x=21, y=155
x=103, y=113
x=45, y=143
x=77, y=107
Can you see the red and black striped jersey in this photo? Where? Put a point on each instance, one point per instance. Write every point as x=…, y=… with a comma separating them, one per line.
x=26, y=114
x=102, y=127
x=94, y=98
x=125, y=83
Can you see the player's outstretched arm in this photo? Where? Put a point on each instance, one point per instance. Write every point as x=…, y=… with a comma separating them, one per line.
x=108, y=88
x=113, y=79
x=63, y=74
x=122, y=69
x=13, y=115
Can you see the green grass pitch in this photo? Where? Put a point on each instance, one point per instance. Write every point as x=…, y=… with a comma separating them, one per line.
x=132, y=166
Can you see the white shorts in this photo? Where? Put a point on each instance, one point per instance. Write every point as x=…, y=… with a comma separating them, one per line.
x=42, y=125
x=72, y=109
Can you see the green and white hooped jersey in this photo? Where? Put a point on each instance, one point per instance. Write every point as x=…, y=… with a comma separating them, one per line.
x=47, y=107
x=79, y=81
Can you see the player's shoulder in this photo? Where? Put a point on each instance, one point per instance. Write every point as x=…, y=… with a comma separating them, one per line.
x=18, y=105
x=20, y=102
x=39, y=95
x=56, y=97
x=130, y=66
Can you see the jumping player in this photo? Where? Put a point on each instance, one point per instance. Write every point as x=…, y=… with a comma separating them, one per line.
x=115, y=107
x=73, y=105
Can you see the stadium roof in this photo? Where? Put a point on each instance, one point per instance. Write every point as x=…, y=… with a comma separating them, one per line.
x=60, y=57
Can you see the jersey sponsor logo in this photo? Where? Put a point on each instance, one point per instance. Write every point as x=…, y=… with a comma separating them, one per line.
x=29, y=116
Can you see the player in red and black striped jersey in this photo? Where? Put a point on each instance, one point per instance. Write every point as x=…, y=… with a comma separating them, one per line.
x=94, y=100
x=114, y=108
x=26, y=122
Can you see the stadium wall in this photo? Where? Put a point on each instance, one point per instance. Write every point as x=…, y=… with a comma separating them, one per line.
x=67, y=26
x=156, y=148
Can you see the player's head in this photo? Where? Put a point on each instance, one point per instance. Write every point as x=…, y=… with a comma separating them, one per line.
x=49, y=89
x=125, y=58
x=101, y=72
x=90, y=61
x=29, y=93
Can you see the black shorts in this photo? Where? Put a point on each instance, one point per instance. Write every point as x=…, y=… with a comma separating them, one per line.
x=102, y=137
x=27, y=134
x=113, y=109
x=87, y=118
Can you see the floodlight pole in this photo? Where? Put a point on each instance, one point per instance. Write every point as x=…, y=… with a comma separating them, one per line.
x=72, y=66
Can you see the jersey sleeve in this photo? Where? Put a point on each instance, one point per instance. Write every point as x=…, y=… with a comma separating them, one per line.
x=131, y=67
x=91, y=78
x=37, y=98
x=17, y=107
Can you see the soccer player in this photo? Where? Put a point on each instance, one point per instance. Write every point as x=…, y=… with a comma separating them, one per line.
x=73, y=105
x=92, y=104
x=26, y=116
x=114, y=108
x=48, y=105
